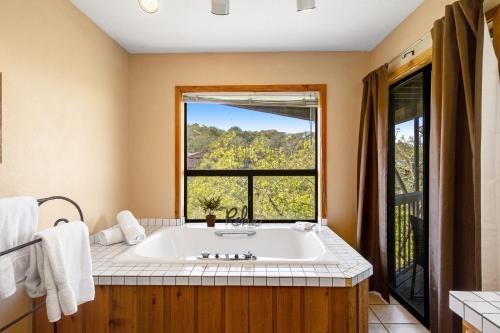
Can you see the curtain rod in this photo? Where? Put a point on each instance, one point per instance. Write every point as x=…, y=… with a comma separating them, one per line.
x=489, y=15
x=409, y=49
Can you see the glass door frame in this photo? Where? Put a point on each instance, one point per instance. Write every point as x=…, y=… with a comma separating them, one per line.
x=426, y=71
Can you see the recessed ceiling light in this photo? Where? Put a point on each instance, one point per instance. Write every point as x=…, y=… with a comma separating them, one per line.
x=149, y=6
x=220, y=7
x=305, y=5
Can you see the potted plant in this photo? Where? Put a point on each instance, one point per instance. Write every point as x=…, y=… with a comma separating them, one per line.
x=210, y=206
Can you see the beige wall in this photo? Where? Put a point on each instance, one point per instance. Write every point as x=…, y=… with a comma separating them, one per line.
x=416, y=25
x=409, y=31
x=152, y=139
x=65, y=122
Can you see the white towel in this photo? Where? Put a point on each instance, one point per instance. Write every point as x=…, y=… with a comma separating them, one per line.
x=61, y=268
x=303, y=226
x=18, y=224
x=132, y=230
x=110, y=236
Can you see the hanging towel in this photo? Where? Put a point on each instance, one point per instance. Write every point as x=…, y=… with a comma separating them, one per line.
x=18, y=224
x=110, y=236
x=61, y=268
x=132, y=230
x=303, y=226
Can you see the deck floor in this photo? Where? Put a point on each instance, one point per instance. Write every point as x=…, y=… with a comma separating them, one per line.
x=403, y=288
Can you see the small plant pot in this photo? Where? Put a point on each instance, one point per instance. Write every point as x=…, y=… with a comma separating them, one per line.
x=211, y=220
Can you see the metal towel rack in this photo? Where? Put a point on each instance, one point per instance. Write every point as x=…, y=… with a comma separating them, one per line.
x=38, y=306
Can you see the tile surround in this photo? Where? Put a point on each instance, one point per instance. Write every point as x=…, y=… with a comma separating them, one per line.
x=480, y=309
x=351, y=270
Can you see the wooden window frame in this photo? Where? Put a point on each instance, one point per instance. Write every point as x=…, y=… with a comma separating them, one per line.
x=412, y=66
x=179, y=129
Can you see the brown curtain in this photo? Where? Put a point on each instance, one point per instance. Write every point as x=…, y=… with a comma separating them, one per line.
x=372, y=177
x=496, y=35
x=454, y=192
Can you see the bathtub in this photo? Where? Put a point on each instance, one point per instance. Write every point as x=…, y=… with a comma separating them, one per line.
x=267, y=245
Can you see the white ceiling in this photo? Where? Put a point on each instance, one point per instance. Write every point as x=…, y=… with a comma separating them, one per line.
x=253, y=25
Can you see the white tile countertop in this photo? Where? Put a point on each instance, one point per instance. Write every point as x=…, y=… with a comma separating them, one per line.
x=481, y=309
x=351, y=269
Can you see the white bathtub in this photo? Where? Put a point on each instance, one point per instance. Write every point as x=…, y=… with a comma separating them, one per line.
x=271, y=245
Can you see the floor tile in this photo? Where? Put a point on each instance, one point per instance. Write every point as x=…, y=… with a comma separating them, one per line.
x=406, y=328
x=393, y=314
x=372, y=318
x=376, y=328
x=375, y=298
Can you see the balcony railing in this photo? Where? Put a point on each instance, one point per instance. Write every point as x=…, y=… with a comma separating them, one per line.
x=405, y=205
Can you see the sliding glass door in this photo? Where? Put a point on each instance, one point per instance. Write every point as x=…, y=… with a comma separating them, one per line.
x=409, y=105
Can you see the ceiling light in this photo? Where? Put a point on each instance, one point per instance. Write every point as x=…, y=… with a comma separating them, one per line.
x=305, y=5
x=149, y=6
x=220, y=7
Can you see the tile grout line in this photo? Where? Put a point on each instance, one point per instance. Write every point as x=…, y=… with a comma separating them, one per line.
x=384, y=324
x=375, y=314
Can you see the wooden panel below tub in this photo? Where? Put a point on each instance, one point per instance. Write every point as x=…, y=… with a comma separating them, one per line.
x=468, y=328
x=199, y=309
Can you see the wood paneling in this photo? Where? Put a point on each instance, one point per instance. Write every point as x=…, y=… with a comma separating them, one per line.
x=288, y=310
x=150, y=315
x=468, y=328
x=197, y=309
x=97, y=314
x=73, y=323
x=210, y=305
x=362, y=312
x=343, y=315
x=236, y=309
x=167, y=311
x=123, y=309
x=179, y=116
x=261, y=310
x=182, y=309
x=40, y=318
x=316, y=302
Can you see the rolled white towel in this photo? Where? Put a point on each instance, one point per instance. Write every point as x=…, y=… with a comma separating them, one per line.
x=132, y=231
x=303, y=226
x=110, y=236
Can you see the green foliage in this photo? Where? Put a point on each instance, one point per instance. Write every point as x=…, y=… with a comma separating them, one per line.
x=232, y=190
x=407, y=170
x=201, y=136
x=406, y=164
x=235, y=149
x=210, y=205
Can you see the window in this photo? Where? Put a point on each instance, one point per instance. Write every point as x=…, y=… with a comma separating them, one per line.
x=253, y=150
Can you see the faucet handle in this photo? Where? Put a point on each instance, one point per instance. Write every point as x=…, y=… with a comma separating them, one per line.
x=205, y=254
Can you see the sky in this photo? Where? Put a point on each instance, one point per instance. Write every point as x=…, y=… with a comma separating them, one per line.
x=406, y=129
x=225, y=117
